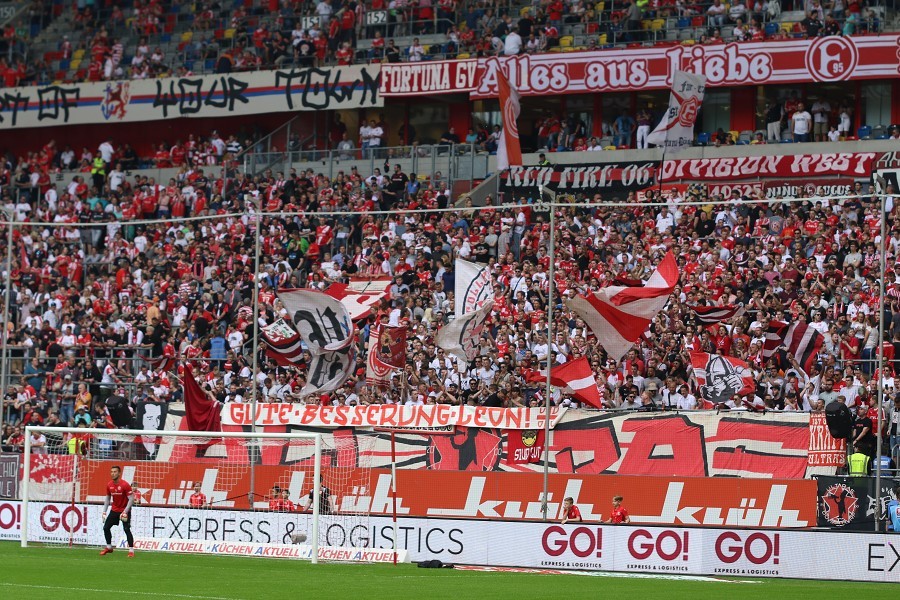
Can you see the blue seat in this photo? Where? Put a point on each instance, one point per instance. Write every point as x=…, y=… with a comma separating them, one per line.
x=684, y=22
x=209, y=64
x=64, y=64
x=787, y=140
x=771, y=29
x=165, y=38
x=702, y=139
x=864, y=132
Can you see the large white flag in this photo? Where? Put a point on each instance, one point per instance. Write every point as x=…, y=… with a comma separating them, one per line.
x=328, y=331
x=462, y=336
x=676, y=130
x=473, y=287
x=322, y=321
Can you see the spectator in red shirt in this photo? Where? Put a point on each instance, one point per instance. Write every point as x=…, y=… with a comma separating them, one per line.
x=571, y=514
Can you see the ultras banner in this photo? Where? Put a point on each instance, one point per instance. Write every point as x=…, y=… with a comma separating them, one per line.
x=694, y=444
x=850, y=502
x=585, y=179
x=717, y=552
x=234, y=94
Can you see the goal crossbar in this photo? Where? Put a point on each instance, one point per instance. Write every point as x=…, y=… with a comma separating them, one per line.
x=317, y=464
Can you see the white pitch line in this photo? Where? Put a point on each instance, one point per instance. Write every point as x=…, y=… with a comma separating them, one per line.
x=117, y=591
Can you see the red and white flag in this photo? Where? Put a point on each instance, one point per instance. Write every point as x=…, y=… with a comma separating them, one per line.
x=575, y=378
x=618, y=315
x=283, y=343
x=775, y=334
x=524, y=446
x=721, y=377
x=391, y=346
x=804, y=343
x=378, y=372
x=509, y=150
x=710, y=315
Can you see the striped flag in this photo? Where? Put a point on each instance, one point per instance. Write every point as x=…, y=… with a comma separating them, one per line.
x=710, y=315
x=618, y=315
x=804, y=343
x=284, y=344
x=775, y=335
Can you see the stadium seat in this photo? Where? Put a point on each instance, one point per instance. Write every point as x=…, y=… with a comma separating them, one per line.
x=787, y=140
x=657, y=24
x=771, y=29
x=187, y=36
x=602, y=39
x=683, y=22
x=75, y=64
x=880, y=133
x=600, y=7
x=229, y=33
x=566, y=41
x=864, y=132
x=463, y=55
x=702, y=139
x=787, y=27
x=79, y=54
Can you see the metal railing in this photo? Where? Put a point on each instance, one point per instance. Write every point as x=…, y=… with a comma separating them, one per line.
x=455, y=163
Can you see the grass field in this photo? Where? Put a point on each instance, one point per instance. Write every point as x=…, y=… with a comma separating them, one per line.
x=54, y=573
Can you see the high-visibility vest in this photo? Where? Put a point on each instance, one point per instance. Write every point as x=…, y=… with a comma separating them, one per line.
x=859, y=464
x=99, y=167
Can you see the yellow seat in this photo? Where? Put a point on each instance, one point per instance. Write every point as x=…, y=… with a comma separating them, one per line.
x=610, y=148
x=602, y=39
x=787, y=27
x=688, y=42
x=187, y=36
x=657, y=24
x=555, y=49
x=463, y=55
x=566, y=41
x=600, y=6
x=645, y=24
x=75, y=63
x=524, y=11
x=734, y=135
x=78, y=54
x=569, y=49
x=229, y=33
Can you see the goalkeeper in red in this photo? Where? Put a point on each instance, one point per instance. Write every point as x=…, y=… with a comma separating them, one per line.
x=118, y=492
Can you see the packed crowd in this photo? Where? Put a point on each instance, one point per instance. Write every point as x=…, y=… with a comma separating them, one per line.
x=117, y=309
x=155, y=38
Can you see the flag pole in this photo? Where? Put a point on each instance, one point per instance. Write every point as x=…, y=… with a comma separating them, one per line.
x=547, y=400
x=254, y=385
x=880, y=424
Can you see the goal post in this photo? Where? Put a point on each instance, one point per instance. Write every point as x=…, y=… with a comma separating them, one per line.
x=65, y=472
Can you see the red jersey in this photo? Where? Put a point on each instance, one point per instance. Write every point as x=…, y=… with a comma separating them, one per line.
x=618, y=515
x=574, y=514
x=198, y=500
x=120, y=492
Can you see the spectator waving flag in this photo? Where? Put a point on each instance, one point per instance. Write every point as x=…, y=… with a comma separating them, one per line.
x=509, y=150
x=710, y=315
x=462, y=336
x=804, y=343
x=378, y=372
x=676, y=130
x=721, y=377
x=775, y=335
x=201, y=412
x=577, y=379
x=358, y=303
x=618, y=315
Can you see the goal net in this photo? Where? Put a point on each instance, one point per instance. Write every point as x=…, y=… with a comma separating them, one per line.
x=261, y=494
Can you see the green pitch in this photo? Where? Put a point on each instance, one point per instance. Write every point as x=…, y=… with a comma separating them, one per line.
x=54, y=573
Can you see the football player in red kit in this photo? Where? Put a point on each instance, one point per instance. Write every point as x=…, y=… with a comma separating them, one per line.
x=198, y=498
x=619, y=514
x=571, y=514
x=118, y=492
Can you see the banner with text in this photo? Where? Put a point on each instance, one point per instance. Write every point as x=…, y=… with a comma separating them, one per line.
x=830, y=58
x=850, y=502
x=234, y=94
x=585, y=179
x=549, y=547
x=858, y=164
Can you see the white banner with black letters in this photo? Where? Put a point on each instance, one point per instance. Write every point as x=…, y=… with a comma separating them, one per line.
x=224, y=95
